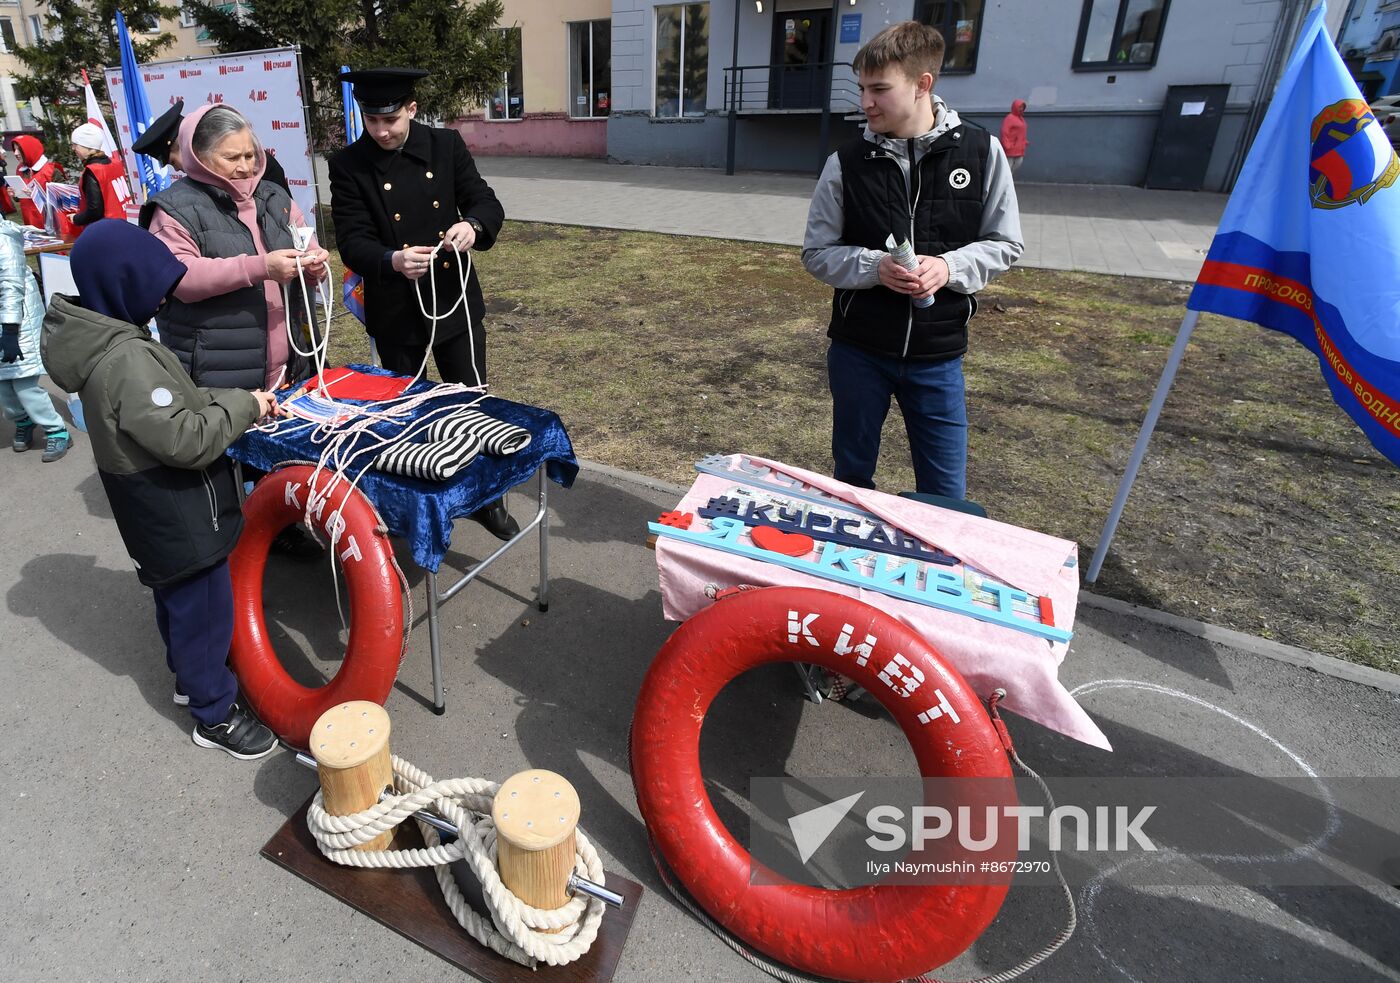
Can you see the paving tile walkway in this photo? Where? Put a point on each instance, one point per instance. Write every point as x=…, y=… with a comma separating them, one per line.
x=1092, y=228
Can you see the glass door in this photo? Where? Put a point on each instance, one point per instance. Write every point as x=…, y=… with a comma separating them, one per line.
x=801, y=40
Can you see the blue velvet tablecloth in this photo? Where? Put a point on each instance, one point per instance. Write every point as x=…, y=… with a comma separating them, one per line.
x=422, y=512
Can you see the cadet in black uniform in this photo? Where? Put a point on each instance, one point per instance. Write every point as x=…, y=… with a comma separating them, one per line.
x=397, y=193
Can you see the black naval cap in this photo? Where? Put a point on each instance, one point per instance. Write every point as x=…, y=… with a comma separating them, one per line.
x=383, y=90
x=156, y=141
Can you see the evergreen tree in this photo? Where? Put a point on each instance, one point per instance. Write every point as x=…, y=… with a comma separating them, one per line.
x=456, y=40
x=319, y=28
x=82, y=34
x=459, y=42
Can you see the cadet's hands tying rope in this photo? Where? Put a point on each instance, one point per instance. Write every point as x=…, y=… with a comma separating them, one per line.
x=414, y=261
x=460, y=236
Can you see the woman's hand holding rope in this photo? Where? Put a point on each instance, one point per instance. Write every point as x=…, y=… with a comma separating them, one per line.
x=285, y=265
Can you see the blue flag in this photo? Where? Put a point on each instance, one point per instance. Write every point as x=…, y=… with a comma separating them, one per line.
x=138, y=111
x=1310, y=235
x=352, y=286
x=354, y=125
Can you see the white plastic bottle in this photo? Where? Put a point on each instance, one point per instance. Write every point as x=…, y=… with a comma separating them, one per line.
x=903, y=254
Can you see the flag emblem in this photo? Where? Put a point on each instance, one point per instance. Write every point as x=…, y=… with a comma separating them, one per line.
x=1351, y=156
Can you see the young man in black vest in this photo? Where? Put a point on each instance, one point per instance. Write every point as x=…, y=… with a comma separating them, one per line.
x=918, y=174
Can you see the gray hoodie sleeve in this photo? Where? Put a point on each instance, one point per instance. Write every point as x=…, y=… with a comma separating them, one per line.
x=999, y=242
x=824, y=255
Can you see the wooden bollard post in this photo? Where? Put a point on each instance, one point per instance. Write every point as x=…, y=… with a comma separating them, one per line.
x=350, y=743
x=536, y=813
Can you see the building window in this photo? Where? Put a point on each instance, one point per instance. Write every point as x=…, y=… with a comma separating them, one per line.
x=7, y=35
x=149, y=24
x=36, y=28
x=1117, y=34
x=508, y=102
x=960, y=23
x=590, y=68
x=201, y=35
x=682, y=59
x=187, y=18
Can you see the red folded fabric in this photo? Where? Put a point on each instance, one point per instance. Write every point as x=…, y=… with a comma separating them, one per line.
x=345, y=383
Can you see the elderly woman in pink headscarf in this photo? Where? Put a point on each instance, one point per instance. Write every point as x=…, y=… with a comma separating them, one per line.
x=227, y=319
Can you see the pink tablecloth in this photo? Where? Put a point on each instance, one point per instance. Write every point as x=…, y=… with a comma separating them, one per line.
x=987, y=655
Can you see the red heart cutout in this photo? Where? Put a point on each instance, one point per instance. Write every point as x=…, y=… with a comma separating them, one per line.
x=786, y=543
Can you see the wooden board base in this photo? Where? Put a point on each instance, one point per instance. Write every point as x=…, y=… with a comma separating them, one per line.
x=410, y=903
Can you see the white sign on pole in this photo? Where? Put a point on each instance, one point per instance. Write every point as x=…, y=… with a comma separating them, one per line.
x=265, y=86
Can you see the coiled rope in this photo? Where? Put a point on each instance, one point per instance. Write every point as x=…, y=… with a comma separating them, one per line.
x=515, y=930
x=349, y=444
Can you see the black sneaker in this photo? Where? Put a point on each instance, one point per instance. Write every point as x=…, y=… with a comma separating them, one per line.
x=181, y=698
x=24, y=437
x=241, y=735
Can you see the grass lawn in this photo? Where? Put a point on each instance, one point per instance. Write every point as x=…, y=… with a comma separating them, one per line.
x=1260, y=506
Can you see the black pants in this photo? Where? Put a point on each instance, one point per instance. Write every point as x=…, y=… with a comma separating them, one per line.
x=453, y=358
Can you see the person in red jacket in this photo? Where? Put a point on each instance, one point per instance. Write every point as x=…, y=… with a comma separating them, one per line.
x=37, y=171
x=102, y=190
x=1013, y=134
x=7, y=200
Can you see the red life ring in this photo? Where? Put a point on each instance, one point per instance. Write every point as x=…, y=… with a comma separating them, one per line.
x=872, y=933
x=366, y=558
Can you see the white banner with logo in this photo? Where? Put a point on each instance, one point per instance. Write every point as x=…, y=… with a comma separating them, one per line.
x=265, y=86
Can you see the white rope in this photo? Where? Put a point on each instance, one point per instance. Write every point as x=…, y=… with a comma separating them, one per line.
x=515, y=930
x=464, y=272
x=339, y=453
x=318, y=351
x=339, y=438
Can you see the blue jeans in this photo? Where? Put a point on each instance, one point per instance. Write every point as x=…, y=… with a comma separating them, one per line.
x=932, y=397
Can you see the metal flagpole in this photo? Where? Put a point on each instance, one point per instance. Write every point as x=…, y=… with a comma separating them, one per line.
x=1164, y=385
x=733, y=92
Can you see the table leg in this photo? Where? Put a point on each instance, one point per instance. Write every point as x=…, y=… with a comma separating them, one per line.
x=544, y=541
x=435, y=643
x=804, y=672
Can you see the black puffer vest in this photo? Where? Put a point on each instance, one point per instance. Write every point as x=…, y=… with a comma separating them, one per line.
x=222, y=341
x=940, y=209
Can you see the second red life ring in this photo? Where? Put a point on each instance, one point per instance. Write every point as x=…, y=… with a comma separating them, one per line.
x=879, y=932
